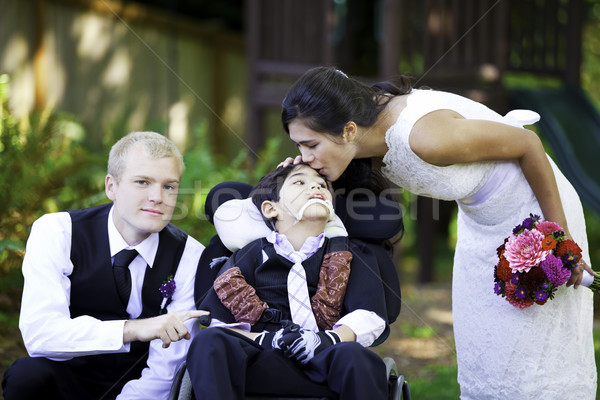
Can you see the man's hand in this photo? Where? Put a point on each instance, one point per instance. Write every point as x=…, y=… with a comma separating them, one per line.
x=167, y=327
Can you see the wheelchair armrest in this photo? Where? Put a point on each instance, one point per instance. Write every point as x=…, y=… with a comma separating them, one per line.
x=398, y=385
x=390, y=367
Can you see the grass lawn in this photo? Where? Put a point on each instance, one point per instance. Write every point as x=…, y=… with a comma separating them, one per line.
x=443, y=386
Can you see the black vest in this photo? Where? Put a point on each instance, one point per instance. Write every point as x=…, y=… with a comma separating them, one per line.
x=93, y=290
x=269, y=279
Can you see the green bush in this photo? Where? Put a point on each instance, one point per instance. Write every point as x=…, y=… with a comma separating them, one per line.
x=205, y=169
x=41, y=170
x=46, y=167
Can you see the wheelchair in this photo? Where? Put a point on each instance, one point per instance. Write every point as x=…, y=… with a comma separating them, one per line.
x=398, y=387
x=358, y=214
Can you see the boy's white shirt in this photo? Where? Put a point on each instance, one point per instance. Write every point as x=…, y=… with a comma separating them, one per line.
x=366, y=325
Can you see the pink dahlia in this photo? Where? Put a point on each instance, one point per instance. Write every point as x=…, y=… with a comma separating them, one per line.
x=556, y=273
x=524, y=250
x=547, y=227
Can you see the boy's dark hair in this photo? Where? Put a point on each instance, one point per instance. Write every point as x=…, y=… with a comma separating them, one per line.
x=268, y=188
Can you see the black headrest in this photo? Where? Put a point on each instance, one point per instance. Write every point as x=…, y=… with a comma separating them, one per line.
x=370, y=218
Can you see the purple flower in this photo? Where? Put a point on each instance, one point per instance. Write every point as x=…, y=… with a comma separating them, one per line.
x=520, y=293
x=541, y=295
x=515, y=278
x=569, y=260
x=168, y=287
x=552, y=266
x=166, y=290
x=528, y=223
x=498, y=288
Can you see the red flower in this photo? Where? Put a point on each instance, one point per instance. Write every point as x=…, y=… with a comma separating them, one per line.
x=503, y=270
x=568, y=246
x=533, y=279
x=549, y=243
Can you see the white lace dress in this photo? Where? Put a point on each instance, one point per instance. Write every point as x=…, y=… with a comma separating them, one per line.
x=542, y=352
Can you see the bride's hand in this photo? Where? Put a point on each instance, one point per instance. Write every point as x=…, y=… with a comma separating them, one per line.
x=577, y=274
x=290, y=160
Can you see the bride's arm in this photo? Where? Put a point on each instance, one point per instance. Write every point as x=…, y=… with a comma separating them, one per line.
x=444, y=137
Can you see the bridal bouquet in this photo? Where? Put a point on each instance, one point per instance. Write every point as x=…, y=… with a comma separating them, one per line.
x=534, y=261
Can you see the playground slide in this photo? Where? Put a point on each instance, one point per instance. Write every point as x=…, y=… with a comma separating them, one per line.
x=570, y=124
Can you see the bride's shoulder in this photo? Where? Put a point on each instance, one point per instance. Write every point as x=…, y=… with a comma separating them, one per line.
x=406, y=104
x=397, y=104
x=413, y=98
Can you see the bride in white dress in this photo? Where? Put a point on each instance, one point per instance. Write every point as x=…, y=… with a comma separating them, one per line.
x=448, y=147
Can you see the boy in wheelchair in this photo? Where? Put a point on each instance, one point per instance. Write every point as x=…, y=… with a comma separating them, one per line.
x=272, y=335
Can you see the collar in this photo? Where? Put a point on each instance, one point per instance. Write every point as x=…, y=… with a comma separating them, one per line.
x=284, y=248
x=147, y=248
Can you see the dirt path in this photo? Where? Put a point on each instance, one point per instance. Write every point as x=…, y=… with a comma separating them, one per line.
x=422, y=334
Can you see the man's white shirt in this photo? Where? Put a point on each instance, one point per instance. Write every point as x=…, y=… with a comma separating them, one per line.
x=45, y=322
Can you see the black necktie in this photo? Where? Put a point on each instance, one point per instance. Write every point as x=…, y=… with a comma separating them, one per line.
x=122, y=274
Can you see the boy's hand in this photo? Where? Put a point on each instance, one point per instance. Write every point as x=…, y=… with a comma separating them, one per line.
x=270, y=340
x=302, y=345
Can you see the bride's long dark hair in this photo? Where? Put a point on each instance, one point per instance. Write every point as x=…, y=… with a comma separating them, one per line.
x=325, y=99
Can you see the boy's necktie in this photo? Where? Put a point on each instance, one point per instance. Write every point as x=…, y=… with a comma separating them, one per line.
x=302, y=312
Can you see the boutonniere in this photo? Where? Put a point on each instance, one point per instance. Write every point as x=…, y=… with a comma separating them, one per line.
x=166, y=290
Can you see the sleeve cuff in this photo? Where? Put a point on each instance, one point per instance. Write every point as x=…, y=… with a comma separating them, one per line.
x=366, y=325
x=244, y=326
x=112, y=334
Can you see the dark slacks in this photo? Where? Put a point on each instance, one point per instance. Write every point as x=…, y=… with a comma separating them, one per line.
x=34, y=378
x=225, y=365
